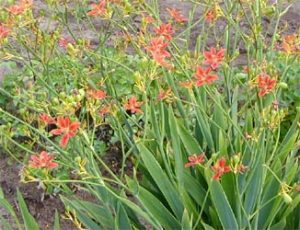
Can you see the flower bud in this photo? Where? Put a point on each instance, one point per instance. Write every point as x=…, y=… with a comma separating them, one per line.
x=55, y=101
x=283, y=85
x=214, y=156
x=286, y=198
x=236, y=158
x=62, y=94
x=31, y=102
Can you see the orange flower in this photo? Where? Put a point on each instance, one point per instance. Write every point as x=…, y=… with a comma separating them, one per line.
x=210, y=16
x=105, y=109
x=63, y=42
x=47, y=119
x=133, y=105
x=19, y=8
x=186, y=84
x=265, y=84
x=147, y=18
x=289, y=43
x=213, y=58
x=4, y=31
x=163, y=94
x=16, y=9
x=66, y=128
x=98, y=9
x=220, y=168
x=165, y=30
x=157, y=49
x=44, y=160
x=97, y=94
x=203, y=76
x=176, y=15
x=195, y=160
x=27, y=3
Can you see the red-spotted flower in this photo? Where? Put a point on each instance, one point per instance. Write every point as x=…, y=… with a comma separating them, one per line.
x=19, y=8
x=220, y=168
x=157, y=49
x=210, y=16
x=97, y=94
x=195, y=160
x=4, y=31
x=64, y=41
x=203, y=76
x=165, y=30
x=98, y=9
x=133, y=105
x=44, y=160
x=16, y=9
x=265, y=84
x=176, y=15
x=66, y=128
x=45, y=118
x=214, y=57
x=164, y=94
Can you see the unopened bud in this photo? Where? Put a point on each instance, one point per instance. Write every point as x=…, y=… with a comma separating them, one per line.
x=283, y=85
x=286, y=198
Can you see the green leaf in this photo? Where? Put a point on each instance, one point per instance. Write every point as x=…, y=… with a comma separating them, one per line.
x=56, y=221
x=195, y=189
x=4, y=204
x=179, y=165
x=122, y=220
x=162, y=181
x=158, y=210
x=221, y=204
x=29, y=221
x=99, y=214
x=279, y=226
x=186, y=223
x=207, y=227
x=189, y=142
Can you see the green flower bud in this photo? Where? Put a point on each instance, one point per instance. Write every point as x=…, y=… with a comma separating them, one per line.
x=62, y=94
x=31, y=102
x=70, y=99
x=55, y=101
x=22, y=111
x=78, y=98
x=236, y=158
x=81, y=92
x=283, y=85
x=286, y=198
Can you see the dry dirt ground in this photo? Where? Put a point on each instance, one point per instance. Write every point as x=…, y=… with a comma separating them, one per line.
x=9, y=171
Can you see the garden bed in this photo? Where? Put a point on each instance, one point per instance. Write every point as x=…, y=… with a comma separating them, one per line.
x=118, y=153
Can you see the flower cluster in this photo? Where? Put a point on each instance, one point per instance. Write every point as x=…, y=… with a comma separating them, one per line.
x=44, y=160
x=176, y=15
x=164, y=34
x=66, y=128
x=219, y=168
x=65, y=41
x=213, y=58
x=20, y=8
x=4, y=31
x=98, y=9
x=158, y=51
x=265, y=84
x=133, y=105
